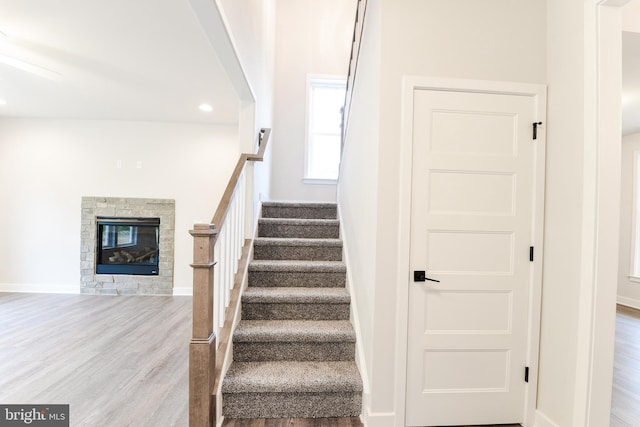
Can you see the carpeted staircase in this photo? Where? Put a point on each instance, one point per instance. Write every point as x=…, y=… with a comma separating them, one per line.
x=294, y=348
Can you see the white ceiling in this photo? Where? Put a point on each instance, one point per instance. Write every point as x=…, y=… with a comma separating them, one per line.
x=147, y=60
x=110, y=59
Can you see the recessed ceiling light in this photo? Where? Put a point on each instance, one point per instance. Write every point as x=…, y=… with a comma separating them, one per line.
x=206, y=108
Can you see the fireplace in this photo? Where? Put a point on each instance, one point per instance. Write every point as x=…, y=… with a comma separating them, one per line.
x=127, y=246
x=141, y=231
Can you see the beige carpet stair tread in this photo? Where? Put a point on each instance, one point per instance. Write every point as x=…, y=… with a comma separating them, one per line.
x=294, y=331
x=298, y=295
x=292, y=377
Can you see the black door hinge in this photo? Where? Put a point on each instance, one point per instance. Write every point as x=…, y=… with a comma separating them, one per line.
x=531, y=253
x=526, y=374
x=535, y=129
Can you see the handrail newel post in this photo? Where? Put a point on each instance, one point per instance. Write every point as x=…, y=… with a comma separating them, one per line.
x=202, y=348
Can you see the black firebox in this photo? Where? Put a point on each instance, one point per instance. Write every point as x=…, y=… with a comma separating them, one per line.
x=128, y=246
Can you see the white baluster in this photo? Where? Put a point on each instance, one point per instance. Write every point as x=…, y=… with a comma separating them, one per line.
x=216, y=287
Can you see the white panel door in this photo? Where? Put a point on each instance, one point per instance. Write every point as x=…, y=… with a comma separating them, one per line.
x=471, y=228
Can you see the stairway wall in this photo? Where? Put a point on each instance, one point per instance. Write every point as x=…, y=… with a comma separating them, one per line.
x=304, y=47
x=370, y=189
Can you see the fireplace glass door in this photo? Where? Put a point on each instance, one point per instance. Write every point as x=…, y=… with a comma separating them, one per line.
x=127, y=245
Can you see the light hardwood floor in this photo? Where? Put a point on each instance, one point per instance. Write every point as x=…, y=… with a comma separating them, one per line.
x=117, y=361
x=123, y=361
x=625, y=402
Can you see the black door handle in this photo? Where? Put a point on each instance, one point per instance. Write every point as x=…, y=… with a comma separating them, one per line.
x=421, y=276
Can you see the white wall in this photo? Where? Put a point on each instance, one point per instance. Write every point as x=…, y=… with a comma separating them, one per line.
x=556, y=44
x=46, y=166
x=252, y=24
x=358, y=189
x=628, y=290
x=312, y=37
x=523, y=41
x=563, y=213
x=631, y=16
x=489, y=40
x=252, y=27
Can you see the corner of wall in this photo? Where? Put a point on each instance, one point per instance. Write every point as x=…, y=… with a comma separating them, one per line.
x=376, y=419
x=542, y=421
x=629, y=302
x=182, y=291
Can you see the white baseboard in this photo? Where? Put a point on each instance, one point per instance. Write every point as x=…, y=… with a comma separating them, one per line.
x=361, y=360
x=40, y=288
x=183, y=291
x=378, y=419
x=43, y=288
x=543, y=421
x=629, y=302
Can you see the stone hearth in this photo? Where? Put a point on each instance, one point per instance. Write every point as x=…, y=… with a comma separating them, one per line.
x=121, y=284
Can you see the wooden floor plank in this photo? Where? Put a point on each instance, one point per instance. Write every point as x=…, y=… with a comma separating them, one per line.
x=117, y=361
x=101, y=355
x=625, y=399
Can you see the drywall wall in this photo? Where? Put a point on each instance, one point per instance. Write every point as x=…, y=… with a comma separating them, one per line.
x=252, y=26
x=489, y=40
x=46, y=166
x=628, y=289
x=312, y=37
x=631, y=16
x=563, y=213
x=358, y=188
x=524, y=41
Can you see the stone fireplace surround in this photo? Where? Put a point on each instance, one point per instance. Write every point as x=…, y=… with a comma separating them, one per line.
x=117, y=284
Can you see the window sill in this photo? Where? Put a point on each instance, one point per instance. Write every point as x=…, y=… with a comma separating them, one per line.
x=634, y=279
x=317, y=181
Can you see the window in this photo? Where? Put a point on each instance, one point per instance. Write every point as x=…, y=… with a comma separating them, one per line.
x=325, y=99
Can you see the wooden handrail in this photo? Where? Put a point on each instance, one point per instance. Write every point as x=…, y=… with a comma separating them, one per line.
x=225, y=201
x=202, y=348
x=353, y=64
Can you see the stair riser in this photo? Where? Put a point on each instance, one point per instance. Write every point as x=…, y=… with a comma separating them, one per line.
x=305, y=253
x=300, y=351
x=297, y=279
x=286, y=311
x=291, y=405
x=328, y=212
x=299, y=231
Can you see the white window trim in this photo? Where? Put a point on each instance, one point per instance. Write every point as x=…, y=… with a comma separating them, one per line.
x=331, y=79
x=319, y=181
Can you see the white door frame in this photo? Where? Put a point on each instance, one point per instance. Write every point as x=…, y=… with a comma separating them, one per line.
x=409, y=85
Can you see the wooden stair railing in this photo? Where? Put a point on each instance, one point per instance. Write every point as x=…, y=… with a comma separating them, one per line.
x=218, y=243
x=358, y=28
